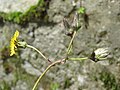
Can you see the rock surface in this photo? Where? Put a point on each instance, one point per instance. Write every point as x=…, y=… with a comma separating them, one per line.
x=16, y=5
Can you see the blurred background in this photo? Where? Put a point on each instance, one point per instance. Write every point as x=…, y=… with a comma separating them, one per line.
x=40, y=23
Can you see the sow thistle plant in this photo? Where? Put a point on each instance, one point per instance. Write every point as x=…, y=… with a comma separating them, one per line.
x=97, y=55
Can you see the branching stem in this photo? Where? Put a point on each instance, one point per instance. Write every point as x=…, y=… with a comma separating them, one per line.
x=39, y=78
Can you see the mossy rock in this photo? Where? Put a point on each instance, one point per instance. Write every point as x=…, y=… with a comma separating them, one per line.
x=34, y=13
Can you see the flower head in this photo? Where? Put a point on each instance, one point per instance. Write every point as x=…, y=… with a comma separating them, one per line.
x=13, y=43
x=100, y=54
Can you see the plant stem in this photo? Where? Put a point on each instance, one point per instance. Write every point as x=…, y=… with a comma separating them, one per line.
x=53, y=64
x=78, y=59
x=29, y=46
x=71, y=41
x=38, y=80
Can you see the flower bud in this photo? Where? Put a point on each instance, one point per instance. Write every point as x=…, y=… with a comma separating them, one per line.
x=100, y=54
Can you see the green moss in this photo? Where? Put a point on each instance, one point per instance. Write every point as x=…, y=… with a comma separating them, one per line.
x=35, y=12
x=5, y=86
x=109, y=80
x=54, y=86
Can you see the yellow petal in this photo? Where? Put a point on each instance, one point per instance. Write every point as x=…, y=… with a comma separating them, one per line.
x=16, y=34
x=12, y=53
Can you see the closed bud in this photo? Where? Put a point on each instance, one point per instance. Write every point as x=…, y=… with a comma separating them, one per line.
x=100, y=54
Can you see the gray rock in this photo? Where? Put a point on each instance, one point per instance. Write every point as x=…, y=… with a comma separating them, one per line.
x=30, y=69
x=58, y=9
x=16, y=5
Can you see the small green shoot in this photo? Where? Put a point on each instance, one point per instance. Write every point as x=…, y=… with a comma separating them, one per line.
x=81, y=10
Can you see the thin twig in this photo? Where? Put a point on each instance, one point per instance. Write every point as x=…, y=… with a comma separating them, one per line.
x=38, y=52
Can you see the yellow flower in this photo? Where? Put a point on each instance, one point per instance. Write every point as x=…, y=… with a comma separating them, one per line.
x=13, y=43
